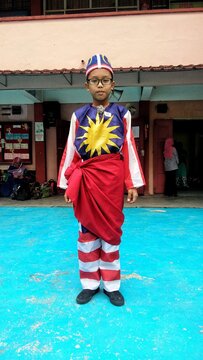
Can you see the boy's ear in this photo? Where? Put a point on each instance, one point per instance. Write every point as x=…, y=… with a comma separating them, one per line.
x=112, y=85
x=86, y=86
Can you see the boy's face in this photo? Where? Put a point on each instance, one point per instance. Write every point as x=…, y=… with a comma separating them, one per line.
x=100, y=84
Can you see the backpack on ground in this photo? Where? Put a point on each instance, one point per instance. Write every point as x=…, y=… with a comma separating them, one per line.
x=35, y=190
x=46, y=190
x=53, y=184
x=21, y=192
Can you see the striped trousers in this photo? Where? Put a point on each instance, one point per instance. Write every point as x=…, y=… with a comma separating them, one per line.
x=98, y=260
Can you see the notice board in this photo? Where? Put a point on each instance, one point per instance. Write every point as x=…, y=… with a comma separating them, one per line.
x=15, y=141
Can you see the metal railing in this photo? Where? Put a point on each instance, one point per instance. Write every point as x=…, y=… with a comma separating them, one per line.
x=70, y=6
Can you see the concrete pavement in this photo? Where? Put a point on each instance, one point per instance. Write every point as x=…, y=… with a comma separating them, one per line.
x=190, y=199
x=161, y=272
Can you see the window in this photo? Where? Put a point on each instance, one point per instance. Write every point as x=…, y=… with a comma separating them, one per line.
x=15, y=7
x=9, y=5
x=103, y=4
x=160, y=4
x=185, y=4
x=77, y=4
x=127, y=4
x=55, y=4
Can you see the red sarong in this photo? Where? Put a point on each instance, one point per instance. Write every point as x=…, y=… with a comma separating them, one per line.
x=96, y=188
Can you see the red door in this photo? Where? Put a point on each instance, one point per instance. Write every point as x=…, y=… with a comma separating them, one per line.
x=62, y=136
x=162, y=130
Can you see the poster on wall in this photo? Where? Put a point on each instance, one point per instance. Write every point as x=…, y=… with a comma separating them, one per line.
x=16, y=141
x=39, y=131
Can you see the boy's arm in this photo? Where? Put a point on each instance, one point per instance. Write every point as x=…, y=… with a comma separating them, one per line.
x=134, y=177
x=69, y=154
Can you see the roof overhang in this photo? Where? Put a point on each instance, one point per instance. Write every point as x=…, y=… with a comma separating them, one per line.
x=135, y=84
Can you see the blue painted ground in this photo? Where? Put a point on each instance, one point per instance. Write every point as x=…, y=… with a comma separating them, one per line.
x=162, y=281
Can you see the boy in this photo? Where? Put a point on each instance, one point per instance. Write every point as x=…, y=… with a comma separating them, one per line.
x=99, y=159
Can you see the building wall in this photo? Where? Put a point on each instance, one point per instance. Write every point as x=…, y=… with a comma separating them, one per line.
x=179, y=110
x=131, y=40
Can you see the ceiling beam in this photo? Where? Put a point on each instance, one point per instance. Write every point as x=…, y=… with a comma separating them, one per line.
x=73, y=80
x=3, y=80
x=158, y=78
x=146, y=93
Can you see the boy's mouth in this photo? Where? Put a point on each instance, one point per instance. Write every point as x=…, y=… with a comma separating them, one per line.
x=100, y=92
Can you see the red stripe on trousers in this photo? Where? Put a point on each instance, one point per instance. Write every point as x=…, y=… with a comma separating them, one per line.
x=89, y=257
x=86, y=237
x=110, y=275
x=94, y=275
x=109, y=257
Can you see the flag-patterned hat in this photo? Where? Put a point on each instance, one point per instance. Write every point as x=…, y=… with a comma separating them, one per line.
x=98, y=61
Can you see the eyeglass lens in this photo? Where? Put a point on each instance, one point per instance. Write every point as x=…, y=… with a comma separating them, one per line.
x=96, y=81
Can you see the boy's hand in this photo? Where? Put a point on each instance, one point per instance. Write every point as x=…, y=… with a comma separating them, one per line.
x=67, y=200
x=132, y=195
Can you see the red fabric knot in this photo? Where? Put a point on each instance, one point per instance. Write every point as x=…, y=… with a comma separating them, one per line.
x=96, y=188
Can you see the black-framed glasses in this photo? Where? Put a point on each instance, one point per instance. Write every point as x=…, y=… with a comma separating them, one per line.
x=96, y=81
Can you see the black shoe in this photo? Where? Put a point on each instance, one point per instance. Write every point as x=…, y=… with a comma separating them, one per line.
x=116, y=298
x=86, y=295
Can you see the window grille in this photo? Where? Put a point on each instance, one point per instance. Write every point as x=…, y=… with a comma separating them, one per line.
x=68, y=6
x=13, y=5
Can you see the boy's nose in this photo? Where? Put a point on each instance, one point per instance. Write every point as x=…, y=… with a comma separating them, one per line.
x=100, y=83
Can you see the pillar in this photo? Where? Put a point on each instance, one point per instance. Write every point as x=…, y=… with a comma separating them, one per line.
x=40, y=147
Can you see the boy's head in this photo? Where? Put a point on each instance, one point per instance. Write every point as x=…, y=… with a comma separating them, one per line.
x=99, y=79
x=98, y=61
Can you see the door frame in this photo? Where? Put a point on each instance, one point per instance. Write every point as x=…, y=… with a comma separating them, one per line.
x=163, y=128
